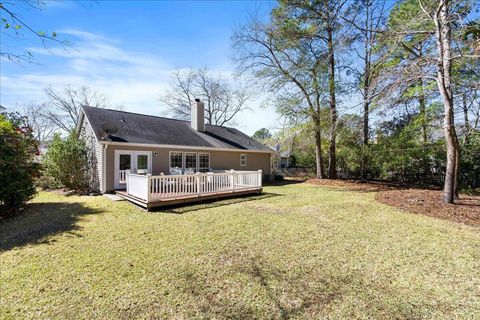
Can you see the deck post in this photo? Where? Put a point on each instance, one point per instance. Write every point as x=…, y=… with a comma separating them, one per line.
x=149, y=187
x=260, y=176
x=197, y=178
x=232, y=179
x=127, y=174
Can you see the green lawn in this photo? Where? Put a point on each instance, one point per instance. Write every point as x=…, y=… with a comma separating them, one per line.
x=298, y=251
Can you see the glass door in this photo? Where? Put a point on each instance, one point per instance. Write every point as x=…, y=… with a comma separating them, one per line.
x=124, y=166
x=126, y=161
x=142, y=163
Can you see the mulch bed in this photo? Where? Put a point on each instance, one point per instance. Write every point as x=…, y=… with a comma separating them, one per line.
x=356, y=185
x=422, y=201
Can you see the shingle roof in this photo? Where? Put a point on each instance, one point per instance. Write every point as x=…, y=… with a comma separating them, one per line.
x=141, y=128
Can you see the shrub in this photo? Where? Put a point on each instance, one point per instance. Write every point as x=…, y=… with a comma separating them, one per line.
x=67, y=162
x=18, y=168
x=45, y=182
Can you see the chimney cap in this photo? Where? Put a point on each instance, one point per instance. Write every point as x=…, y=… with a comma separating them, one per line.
x=197, y=100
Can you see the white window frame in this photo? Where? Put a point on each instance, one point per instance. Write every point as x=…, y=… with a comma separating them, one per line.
x=243, y=160
x=133, y=163
x=170, y=160
x=198, y=161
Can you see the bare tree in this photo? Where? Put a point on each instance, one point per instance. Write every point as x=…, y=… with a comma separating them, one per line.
x=292, y=71
x=443, y=18
x=63, y=106
x=423, y=42
x=43, y=128
x=367, y=17
x=324, y=18
x=470, y=109
x=14, y=27
x=222, y=100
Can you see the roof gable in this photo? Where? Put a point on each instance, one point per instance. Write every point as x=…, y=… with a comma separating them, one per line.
x=146, y=129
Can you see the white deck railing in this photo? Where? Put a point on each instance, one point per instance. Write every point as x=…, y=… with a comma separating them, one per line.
x=155, y=188
x=122, y=176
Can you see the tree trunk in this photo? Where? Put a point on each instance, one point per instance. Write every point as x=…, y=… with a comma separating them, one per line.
x=444, y=68
x=318, y=148
x=366, y=87
x=366, y=107
x=465, y=119
x=366, y=113
x=332, y=161
x=423, y=112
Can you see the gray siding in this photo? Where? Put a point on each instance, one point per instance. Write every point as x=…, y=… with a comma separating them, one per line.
x=95, y=155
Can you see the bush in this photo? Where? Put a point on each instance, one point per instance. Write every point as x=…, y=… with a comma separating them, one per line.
x=18, y=168
x=67, y=162
x=470, y=163
x=46, y=182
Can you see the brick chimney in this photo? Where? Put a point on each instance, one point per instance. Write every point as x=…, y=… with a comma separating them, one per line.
x=198, y=116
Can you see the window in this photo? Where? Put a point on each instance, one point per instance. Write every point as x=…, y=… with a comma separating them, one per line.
x=142, y=162
x=176, y=160
x=190, y=161
x=203, y=162
x=243, y=160
x=125, y=162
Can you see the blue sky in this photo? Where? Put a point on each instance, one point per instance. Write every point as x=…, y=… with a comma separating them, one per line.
x=127, y=50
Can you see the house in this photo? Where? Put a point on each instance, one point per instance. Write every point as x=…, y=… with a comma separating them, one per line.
x=130, y=144
x=284, y=160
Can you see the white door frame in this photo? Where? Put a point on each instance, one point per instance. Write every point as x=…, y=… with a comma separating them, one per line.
x=133, y=163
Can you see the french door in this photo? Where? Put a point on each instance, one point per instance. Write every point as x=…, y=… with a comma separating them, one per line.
x=131, y=161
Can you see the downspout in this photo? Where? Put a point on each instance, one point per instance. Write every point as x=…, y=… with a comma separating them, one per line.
x=104, y=167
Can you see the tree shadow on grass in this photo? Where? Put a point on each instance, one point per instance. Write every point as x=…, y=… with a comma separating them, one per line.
x=287, y=295
x=208, y=204
x=40, y=221
x=285, y=182
x=358, y=185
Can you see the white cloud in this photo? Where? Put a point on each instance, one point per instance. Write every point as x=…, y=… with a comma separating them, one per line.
x=131, y=79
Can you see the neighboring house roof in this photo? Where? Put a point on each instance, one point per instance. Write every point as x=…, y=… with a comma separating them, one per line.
x=146, y=129
x=285, y=154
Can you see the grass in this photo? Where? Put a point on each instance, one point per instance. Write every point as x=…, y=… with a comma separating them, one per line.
x=298, y=251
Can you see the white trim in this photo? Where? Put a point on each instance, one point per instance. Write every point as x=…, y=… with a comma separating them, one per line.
x=103, y=187
x=133, y=162
x=209, y=160
x=173, y=146
x=170, y=159
x=241, y=155
x=185, y=159
x=78, y=128
x=83, y=117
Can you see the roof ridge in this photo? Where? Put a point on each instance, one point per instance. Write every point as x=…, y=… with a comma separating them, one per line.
x=154, y=116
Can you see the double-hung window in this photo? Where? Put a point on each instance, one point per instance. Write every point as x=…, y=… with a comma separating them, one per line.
x=243, y=160
x=203, y=162
x=176, y=160
x=190, y=162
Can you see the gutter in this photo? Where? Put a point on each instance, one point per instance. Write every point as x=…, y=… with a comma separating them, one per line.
x=173, y=146
x=103, y=187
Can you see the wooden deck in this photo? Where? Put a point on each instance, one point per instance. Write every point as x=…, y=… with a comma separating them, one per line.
x=186, y=199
